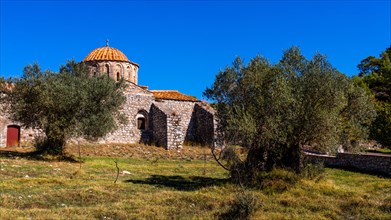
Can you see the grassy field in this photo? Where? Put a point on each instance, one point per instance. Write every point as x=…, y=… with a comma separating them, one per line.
x=178, y=187
x=380, y=150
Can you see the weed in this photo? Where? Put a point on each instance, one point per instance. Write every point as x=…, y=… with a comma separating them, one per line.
x=277, y=180
x=243, y=206
x=313, y=171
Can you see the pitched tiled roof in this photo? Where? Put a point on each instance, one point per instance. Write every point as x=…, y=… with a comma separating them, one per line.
x=172, y=95
x=106, y=53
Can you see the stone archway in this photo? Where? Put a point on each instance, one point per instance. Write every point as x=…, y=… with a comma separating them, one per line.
x=142, y=120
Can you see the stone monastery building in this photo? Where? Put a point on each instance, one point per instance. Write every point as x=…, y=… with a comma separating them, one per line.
x=164, y=118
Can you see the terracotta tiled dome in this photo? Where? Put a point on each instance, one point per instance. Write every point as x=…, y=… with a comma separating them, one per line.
x=106, y=53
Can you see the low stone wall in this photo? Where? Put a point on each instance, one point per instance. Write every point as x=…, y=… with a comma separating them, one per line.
x=365, y=162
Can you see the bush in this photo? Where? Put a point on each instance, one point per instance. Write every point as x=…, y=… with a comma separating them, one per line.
x=313, y=171
x=234, y=164
x=244, y=206
x=277, y=180
x=49, y=146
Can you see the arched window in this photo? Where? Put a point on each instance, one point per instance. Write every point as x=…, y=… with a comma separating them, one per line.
x=120, y=72
x=128, y=70
x=142, y=120
x=107, y=70
x=95, y=69
x=141, y=123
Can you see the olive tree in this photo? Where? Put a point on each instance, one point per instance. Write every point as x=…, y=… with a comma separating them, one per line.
x=275, y=110
x=65, y=104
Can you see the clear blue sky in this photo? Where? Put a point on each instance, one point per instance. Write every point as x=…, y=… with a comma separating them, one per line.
x=182, y=45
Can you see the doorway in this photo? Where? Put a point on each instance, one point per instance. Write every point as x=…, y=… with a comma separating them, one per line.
x=13, y=135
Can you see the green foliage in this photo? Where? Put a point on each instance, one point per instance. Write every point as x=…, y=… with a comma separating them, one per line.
x=274, y=110
x=2, y=84
x=376, y=78
x=313, y=171
x=277, y=180
x=3, y=92
x=244, y=206
x=65, y=104
x=381, y=127
x=376, y=72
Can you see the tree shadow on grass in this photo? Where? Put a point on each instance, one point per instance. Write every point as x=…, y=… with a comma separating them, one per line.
x=180, y=183
x=36, y=155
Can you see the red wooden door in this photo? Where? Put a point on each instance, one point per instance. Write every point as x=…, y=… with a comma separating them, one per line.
x=13, y=135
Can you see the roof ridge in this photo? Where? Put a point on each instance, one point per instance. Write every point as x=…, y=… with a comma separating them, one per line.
x=164, y=90
x=173, y=95
x=106, y=53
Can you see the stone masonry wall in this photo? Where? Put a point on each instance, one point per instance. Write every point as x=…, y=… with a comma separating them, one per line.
x=175, y=135
x=4, y=122
x=187, y=122
x=27, y=135
x=185, y=110
x=137, y=99
x=126, y=70
x=169, y=123
x=158, y=126
x=365, y=162
x=166, y=127
x=205, y=125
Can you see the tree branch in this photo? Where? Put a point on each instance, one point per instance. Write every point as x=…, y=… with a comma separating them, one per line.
x=218, y=160
x=116, y=165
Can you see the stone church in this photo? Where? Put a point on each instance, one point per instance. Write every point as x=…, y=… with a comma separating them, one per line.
x=165, y=118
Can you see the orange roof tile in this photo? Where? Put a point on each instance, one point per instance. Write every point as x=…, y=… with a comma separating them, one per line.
x=106, y=53
x=173, y=95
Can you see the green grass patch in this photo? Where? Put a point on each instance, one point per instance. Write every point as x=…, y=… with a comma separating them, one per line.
x=180, y=188
x=380, y=150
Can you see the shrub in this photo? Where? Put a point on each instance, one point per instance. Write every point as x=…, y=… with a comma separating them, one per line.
x=277, y=180
x=49, y=146
x=244, y=206
x=313, y=171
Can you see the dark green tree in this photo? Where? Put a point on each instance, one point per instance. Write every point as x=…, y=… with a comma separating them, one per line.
x=276, y=110
x=2, y=82
x=3, y=92
x=65, y=104
x=376, y=77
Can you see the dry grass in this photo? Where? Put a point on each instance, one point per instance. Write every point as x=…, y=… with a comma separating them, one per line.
x=171, y=185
